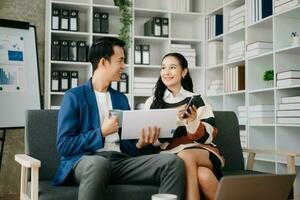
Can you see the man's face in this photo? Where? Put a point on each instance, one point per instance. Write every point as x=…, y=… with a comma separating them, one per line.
x=116, y=64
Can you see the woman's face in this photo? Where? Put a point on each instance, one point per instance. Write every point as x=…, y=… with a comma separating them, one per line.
x=171, y=72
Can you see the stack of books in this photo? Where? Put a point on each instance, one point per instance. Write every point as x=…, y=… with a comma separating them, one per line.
x=289, y=110
x=144, y=85
x=281, y=5
x=187, y=51
x=234, y=78
x=181, y=5
x=237, y=18
x=242, y=115
x=215, y=53
x=260, y=9
x=288, y=78
x=236, y=51
x=214, y=26
x=243, y=138
x=259, y=47
x=215, y=87
x=261, y=114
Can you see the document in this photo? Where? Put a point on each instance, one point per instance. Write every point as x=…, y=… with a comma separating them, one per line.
x=135, y=120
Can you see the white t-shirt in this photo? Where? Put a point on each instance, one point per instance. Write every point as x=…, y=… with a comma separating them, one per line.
x=112, y=142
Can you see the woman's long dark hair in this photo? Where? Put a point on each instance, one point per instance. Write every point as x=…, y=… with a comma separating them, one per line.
x=160, y=87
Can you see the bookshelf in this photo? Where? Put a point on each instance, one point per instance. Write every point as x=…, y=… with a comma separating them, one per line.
x=281, y=55
x=180, y=19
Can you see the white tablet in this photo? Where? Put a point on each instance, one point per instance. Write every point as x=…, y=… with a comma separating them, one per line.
x=134, y=120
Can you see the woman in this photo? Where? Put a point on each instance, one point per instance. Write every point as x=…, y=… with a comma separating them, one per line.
x=192, y=139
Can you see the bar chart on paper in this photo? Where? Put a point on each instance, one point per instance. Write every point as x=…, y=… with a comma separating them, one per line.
x=10, y=79
x=11, y=63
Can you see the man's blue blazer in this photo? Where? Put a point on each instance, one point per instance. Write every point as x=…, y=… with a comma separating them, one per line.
x=79, y=132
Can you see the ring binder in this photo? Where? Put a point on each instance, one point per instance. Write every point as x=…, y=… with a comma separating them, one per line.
x=146, y=54
x=137, y=54
x=104, y=23
x=74, y=20
x=64, y=81
x=82, y=51
x=96, y=22
x=64, y=50
x=64, y=20
x=55, y=50
x=73, y=51
x=123, y=83
x=55, y=81
x=74, y=79
x=55, y=22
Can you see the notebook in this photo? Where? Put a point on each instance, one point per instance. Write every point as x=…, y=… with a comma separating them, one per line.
x=258, y=187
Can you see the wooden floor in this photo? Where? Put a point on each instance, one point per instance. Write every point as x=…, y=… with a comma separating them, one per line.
x=10, y=197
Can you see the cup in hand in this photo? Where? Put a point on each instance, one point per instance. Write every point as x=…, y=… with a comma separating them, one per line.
x=118, y=113
x=164, y=197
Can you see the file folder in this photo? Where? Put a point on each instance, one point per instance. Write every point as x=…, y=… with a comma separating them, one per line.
x=74, y=20
x=114, y=85
x=64, y=25
x=73, y=51
x=123, y=83
x=55, y=50
x=96, y=22
x=104, y=23
x=64, y=81
x=64, y=50
x=82, y=51
x=146, y=54
x=137, y=54
x=165, y=27
x=55, y=81
x=74, y=79
x=153, y=27
x=55, y=21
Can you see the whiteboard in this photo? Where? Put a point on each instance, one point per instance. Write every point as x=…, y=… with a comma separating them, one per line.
x=19, y=74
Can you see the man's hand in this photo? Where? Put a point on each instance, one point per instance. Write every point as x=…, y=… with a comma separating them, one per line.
x=148, y=136
x=110, y=125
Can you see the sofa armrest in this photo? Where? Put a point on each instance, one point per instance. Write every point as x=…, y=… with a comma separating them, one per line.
x=26, y=163
x=252, y=152
x=290, y=160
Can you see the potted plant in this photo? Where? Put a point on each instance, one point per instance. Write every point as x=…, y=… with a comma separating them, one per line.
x=125, y=19
x=269, y=76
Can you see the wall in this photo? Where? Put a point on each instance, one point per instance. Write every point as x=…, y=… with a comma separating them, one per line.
x=32, y=11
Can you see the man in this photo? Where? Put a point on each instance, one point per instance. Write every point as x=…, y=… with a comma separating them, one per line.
x=88, y=141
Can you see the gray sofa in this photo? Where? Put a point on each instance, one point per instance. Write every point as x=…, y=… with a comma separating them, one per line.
x=40, y=136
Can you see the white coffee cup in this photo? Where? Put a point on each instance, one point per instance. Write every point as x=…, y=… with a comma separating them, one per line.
x=164, y=197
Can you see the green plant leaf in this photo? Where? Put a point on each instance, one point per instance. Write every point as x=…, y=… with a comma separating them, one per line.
x=126, y=20
x=268, y=75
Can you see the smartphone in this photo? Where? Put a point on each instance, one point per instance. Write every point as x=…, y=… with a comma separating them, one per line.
x=187, y=108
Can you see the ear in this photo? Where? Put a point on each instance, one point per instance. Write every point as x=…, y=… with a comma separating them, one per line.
x=102, y=62
x=184, y=72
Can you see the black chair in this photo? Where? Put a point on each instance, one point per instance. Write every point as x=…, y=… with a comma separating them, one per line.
x=40, y=136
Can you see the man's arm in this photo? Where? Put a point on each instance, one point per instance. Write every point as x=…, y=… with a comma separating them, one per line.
x=70, y=139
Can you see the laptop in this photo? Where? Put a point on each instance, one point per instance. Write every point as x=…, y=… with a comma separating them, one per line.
x=256, y=187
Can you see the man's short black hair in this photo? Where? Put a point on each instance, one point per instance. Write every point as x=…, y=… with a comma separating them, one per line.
x=103, y=48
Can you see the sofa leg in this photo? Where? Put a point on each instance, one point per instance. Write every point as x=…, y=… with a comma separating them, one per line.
x=292, y=170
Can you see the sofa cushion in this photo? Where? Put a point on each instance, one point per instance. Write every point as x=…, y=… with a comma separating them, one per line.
x=125, y=192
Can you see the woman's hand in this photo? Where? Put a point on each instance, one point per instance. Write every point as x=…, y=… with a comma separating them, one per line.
x=110, y=125
x=182, y=112
x=148, y=136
